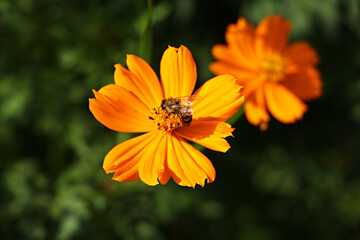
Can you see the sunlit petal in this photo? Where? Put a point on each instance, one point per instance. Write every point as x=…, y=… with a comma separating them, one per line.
x=178, y=72
x=210, y=134
x=124, y=158
x=187, y=165
x=139, y=79
x=148, y=82
x=153, y=162
x=120, y=110
x=219, y=98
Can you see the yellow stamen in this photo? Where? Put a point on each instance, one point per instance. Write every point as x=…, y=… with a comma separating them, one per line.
x=272, y=68
x=164, y=121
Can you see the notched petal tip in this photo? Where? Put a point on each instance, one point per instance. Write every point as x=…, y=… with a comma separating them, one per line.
x=230, y=133
x=276, y=18
x=243, y=24
x=225, y=151
x=130, y=55
x=178, y=72
x=177, y=48
x=97, y=94
x=241, y=21
x=173, y=48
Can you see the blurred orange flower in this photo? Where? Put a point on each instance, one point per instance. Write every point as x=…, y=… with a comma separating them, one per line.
x=135, y=104
x=276, y=76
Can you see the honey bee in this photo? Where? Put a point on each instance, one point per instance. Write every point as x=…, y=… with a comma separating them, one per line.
x=181, y=107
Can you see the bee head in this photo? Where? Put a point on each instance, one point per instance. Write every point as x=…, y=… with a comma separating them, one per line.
x=163, y=106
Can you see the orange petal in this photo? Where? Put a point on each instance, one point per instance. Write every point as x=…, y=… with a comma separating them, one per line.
x=227, y=63
x=219, y=98
x=187, y=165
x=243, y=25
x=240, y=39
x=153, y=162
x=210, y=134
x=244, y=76
x=283, y=104
x=120, y=110
x=124, y=158
x=220, y=67
x=178, y=72
x=301, y=53
x=306, y=84
x=271, y=35
x=223, y=53
x=255, y=107
x=139, y=79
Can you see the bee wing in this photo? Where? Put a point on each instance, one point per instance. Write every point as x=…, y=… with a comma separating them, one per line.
x=187, y=111
x=187, y=101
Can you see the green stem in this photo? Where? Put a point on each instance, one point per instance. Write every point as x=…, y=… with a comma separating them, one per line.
x=144, y=51
x=145, y=43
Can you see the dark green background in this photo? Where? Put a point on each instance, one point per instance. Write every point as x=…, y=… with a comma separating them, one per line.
x=298, y=181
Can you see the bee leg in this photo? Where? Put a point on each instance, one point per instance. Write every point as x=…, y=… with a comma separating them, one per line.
x=168, y=115
x=179, y=116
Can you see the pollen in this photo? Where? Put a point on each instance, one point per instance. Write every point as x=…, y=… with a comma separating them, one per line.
x=272, y=68
x=164, y=121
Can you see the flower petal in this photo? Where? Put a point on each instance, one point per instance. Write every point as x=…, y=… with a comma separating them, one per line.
x=301, y=53
x=255, y=107
x=153, y=162
x=271, y=35
x=120, y=110
x=224, y=54
x=210, y=134
x=139, y=79
x=149, y=82
x=240, y=39
x=178, y=72
x=283, y=104
x=220, y=67
x=306, y=84
x=227, y=63
x=187, y=165
x=220, y=98
x=124, y=158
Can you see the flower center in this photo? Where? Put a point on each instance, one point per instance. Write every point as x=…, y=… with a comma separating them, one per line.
x=272, y=68
x=165, y=121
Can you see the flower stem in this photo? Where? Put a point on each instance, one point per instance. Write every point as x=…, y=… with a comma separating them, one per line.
x=145, y=43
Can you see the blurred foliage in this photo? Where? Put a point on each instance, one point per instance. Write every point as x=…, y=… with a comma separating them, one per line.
x=297, y=181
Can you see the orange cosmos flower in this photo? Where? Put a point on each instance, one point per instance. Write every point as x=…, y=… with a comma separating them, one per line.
x=135, y=104
x=276, y=76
